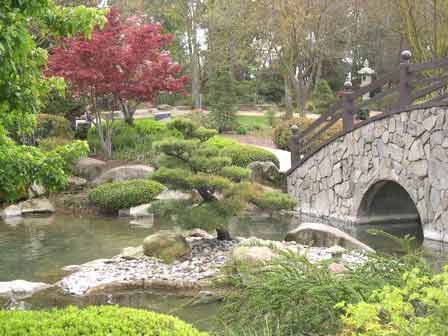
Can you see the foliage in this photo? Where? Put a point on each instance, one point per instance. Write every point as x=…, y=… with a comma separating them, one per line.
x=174, y=178
x=64, y=105
x=105, y=320
x=222, y=100
x=243, y=155
x=282, y=133
x=323, y=96
x=253, y=123
x=274, y=201
x=294, y=297
x=210, y=183
x=23, y=88
x=235, y=173
x=220, y=142
x=21, y=166
x=420, y=307
x=271, y=117
x=52, y=126
x=241, y=130
x=185, y=126
x=123, y=195
x=124, y=60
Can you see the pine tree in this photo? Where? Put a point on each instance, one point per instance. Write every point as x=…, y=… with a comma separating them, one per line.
x=323, y=96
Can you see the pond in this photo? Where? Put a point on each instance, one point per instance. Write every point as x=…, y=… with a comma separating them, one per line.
x=35, y=249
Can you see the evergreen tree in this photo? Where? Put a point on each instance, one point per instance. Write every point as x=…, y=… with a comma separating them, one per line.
x=323, y=96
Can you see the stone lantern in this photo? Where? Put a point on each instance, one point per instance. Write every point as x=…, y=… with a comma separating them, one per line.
x=366, y=77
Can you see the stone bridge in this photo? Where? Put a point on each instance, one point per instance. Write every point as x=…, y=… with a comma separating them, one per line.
x=394, y=166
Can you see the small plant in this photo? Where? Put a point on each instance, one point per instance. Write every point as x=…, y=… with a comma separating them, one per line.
x=323, y=96
x=105, y=320
x=122, y=195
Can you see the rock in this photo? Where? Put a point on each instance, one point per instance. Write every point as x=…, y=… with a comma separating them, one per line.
x=207, y=297
x=253, y=255
x=416, y=152
x=36, y=190
x=76, y=183
x=336, y=268
x=173, y=195
x=71, y=268
x=21, y=288
x=36, y=206
x=140, y=211
x=145, y=222
x=132, y=252
x=263, y=172
x=13, y=304
x=324, y=236
x=11, y=212
x=166, y=245
x=199, y=233
x=124, y=173
x=336, y=250
x=89, y=168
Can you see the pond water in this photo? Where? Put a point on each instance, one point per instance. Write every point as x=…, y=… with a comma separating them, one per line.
x=35, y=249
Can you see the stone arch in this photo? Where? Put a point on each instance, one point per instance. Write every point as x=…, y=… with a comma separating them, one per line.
x=387, y=201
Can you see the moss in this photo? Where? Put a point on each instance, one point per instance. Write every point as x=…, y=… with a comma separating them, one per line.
x=243, y=155
x=123, y=195
x=106, y=320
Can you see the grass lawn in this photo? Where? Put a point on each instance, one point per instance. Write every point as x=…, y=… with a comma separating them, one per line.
x=253, y=122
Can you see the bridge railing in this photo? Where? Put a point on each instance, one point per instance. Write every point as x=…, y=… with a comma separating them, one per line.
x=411, y=86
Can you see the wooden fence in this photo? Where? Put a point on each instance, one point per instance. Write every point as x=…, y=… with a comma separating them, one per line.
x=412, y=86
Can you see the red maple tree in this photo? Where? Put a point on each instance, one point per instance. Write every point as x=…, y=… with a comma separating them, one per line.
x=122, y=64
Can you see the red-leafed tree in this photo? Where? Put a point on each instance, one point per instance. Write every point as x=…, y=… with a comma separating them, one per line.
x=119, y=66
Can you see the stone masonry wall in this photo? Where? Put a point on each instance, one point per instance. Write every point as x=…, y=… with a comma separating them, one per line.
x=410, y=148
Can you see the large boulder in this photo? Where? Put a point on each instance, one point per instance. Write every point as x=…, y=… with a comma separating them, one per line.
x=264, y=172
x=21, y=288
x=253, y=255
x=124, y=173
x=11, y=212
x=174, y=195
x=89, y=168
x=36, y=206
x=36, y=190
x=166, y=245
x=322, y=235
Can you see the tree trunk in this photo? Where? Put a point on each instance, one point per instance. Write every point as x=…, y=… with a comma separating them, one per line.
x=195, y=76
x=288, y=99
x=206, y=195
x=223, y=234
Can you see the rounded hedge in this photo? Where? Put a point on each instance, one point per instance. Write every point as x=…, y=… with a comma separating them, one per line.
x=105, y=320
x=49, y=125
x=127, y=194
x=243, y=155
x=235, y=173
x=274, y=201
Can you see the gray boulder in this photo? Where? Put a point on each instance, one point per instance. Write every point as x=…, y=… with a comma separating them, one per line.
x=89, y=168
x=76, y=183
x=253, y=255
x=36, y=190
x=264, y=172
x=322, y=235
x=124, y=173
x=11, y=212
x=21, y=288
x=36, y=206
x=166, y=245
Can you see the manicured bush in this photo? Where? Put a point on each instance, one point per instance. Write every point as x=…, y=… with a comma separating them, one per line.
x=185, y=126
x=282, y=133
x=243, y=155
x=241, y=130
x=235, y=173
x=174, y=178
x=123, y=195
x=105, y=320
x=204, y=134
x=274, y=201
x=221, y=142
x=49, y=125
x=323, y=96
x=210, y=183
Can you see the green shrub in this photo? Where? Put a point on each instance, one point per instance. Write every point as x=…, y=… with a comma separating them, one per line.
x=123, y=195
x=323, y=96
x=49, y=125
x=105, y=320
x=235, y=173
x=185, y=126
x=221, y=142
x=271, y=117
x=210, y=165
x=282, y=133
x=295, y=297
x=243, y=155
x=49, y=144
x=210, y=183
x=174, y=178
x=203, y=134
x=71, y=153
x=274, y=201
x=420, y=307
x=241, y=130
